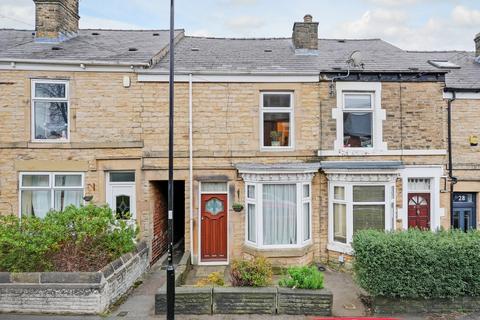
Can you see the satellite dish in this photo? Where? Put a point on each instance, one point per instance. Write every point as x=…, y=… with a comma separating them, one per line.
x=356, y=59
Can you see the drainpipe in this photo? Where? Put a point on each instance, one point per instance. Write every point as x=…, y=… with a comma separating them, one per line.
x=190, y=148
x=453, y=180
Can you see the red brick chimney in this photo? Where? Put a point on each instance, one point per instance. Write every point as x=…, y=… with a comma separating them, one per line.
x=56, y=20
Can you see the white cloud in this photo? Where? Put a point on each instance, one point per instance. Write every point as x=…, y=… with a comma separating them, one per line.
x=200, y=33
x=398, y=28
x=467, y=17
x=17, y=14
x=245, y=22
x=87, y=22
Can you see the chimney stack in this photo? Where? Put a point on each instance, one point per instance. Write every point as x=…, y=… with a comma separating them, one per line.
x=305, y=36
x=477, y=47
x=56, y=20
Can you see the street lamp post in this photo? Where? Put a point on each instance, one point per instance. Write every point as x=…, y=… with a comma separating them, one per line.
x=170, y=268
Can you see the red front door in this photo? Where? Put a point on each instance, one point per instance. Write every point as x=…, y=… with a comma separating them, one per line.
x=214, y=227
x=419, y=210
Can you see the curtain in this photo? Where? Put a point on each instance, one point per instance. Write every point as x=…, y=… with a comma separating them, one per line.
x=64, y=198
x=35, y=203
x=279, y=214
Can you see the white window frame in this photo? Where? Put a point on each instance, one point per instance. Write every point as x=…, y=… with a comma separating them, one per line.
x=378, y=116
x=291, y=113
x=34, y=82
x=258, y=202
x=51, y=186
x=389, y=213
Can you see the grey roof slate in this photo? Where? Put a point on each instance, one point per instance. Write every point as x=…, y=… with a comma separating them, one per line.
x=107, y=46
x=358, y=165
x=467, y=77
x=224, y=55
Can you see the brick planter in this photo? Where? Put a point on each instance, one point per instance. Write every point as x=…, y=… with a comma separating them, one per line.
x=304, y=302
x=72, y=292
x=383, y=305
x=244, y=300
x=188, y=300
x=237, y=300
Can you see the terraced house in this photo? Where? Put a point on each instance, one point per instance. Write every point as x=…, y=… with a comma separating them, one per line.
x=314, y=138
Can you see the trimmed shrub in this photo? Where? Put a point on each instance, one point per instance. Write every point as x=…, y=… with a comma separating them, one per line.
x=251, y=273
x=303, y=278
x=77, y=239
x=414, y=263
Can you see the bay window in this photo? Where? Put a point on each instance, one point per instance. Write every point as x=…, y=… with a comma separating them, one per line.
x=276, y=120
x=356, y=206
x=278, y=215
x=42, y=192
x=50, y=110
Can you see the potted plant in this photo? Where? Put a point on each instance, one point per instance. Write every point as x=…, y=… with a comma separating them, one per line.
x=237, y=207
x=275, y=136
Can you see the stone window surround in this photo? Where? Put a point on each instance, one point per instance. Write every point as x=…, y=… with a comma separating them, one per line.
x=361, y=178
x=258, y=180
x=432, y=172
x=379, y=115
x=51, y=186
x=290, y=111
x=32, y=110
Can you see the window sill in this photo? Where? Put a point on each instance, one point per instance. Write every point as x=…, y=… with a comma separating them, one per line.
x=278, y=252
x=340, y=247
x=277, y=149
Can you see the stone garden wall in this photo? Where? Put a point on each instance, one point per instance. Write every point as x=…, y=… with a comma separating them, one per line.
x=72, y=292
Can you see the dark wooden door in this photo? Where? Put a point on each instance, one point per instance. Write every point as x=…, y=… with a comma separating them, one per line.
x=419, y=210
x=214, y=227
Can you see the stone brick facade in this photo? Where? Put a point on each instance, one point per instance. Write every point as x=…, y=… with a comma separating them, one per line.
x=118, y=128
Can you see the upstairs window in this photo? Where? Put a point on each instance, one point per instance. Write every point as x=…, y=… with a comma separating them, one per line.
x=276, y=120
x=358, y=120
x=50, y=110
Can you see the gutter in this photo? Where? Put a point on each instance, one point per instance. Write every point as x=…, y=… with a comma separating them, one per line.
x=78, y=62
x=453, y=180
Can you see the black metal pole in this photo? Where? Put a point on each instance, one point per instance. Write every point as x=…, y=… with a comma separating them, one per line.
x=170, y=268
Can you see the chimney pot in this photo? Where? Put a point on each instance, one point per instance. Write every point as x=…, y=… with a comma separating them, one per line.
x=305, y=36
x=308, y=18
x=56, y=20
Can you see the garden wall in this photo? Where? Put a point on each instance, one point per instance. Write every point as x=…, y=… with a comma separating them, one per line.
x=72, y=292
x=246, y=300
x=388, y=306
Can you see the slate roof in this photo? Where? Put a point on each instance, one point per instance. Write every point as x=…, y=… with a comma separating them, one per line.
x=277, y=55
x=467, y=77
x=109, y=46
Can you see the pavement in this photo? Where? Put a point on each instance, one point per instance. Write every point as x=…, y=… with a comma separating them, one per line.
x=139, y=305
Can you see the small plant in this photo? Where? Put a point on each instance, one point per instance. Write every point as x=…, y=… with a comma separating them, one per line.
x=275, y=136
x=256, y=272
x=303, y=278
x=237, y=207
x=123, y=215
x=213, y=279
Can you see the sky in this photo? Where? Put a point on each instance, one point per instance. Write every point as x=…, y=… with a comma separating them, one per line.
x=409, y=24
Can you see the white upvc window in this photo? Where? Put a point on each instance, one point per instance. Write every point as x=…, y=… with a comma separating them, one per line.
x=276, y=121
x=359, y=118
x=50, y=111
x=278, y=215
x=41, y=192
x=355, y=206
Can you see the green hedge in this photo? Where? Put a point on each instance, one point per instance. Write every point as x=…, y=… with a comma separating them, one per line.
x=77, y=239
x=416, y=263
x=303, y=278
